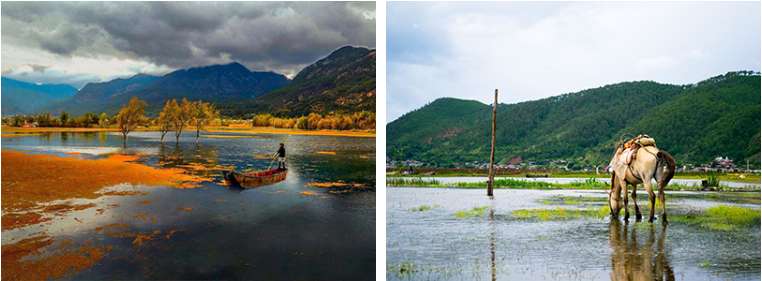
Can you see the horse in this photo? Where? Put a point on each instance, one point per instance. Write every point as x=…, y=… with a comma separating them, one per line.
x=649, y=163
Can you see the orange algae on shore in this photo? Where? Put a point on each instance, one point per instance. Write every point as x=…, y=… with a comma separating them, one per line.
x=333, y=184
x=23, y=260
x=124, y=193
x=16, y=220
x=307, y=193
x=31, y=179
x=60, y=208
x=15, y=135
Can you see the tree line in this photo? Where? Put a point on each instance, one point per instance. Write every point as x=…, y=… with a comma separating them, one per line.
x=87, y=120
x=363, y=120
x=174, y=116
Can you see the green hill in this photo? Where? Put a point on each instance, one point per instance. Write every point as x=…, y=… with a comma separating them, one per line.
x=719, y=116
x=343, y=82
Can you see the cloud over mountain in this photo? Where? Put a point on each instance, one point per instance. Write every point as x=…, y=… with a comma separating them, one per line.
x=77, y=41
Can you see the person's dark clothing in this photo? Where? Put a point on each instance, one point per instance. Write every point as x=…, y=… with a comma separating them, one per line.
x=281, y=152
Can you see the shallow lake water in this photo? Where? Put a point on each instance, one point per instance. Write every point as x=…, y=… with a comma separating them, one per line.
x=435, y=244
x=284, y=231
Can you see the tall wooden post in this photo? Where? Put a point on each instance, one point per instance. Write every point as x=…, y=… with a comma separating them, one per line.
x=491, y=179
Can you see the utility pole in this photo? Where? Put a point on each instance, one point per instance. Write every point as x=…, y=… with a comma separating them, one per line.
x=491, y=179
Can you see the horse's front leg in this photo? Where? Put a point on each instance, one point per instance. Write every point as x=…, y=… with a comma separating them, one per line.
x=638, y=216
x=626, y=208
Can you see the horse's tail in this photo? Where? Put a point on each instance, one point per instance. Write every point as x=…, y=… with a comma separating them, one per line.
x=665, y=168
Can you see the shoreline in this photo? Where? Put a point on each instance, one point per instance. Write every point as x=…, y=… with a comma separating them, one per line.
x=7, y=131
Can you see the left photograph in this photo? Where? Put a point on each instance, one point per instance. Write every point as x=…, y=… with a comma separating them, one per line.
x=213, y=140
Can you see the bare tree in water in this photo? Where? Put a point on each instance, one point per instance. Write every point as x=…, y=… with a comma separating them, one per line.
x=165, y=119
x=130, y=116
x=180, y=116
x=201, y=113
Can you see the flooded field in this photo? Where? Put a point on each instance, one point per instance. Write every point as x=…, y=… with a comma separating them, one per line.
x=459, y=234
x=688, y=182
x=318, y=224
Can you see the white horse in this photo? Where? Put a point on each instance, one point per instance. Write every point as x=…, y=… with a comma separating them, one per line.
x=650, y=163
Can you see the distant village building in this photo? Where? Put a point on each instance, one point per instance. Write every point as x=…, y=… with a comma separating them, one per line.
x=29, y=125
x=723, y=164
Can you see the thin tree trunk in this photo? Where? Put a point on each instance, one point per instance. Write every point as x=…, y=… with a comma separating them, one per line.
x=491, y=179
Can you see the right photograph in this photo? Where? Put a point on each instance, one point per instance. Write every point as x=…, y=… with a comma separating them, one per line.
x=573, y=141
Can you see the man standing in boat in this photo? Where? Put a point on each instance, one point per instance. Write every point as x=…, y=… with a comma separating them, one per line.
x=281, y=154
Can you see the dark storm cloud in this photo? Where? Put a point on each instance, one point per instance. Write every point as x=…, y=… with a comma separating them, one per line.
x=267, y=35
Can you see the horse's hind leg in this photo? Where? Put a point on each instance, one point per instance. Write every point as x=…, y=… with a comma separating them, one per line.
x=663, y=203
x=638, y=216
x=651, y=198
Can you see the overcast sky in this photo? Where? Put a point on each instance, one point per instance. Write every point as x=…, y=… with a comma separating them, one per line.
x=535, y=50
x=78, y=42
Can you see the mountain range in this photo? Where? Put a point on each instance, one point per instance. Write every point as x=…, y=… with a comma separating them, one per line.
x=328, y=85
x=696, y=123
x=21, y=97
x=345, y=81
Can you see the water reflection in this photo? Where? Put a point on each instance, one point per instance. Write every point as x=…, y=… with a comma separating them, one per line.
x=632, y=259
x=492, y=242
x=197, y=159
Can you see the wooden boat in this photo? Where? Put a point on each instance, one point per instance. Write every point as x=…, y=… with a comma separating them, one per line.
x=255, y=178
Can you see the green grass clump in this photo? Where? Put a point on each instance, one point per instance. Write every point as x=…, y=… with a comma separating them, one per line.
x=404, y=269
x=722, y=218
x=572, y=200
x=712, y=180
x=411, y=182
x=474, y=212
x=423, y=208
x=560, y=213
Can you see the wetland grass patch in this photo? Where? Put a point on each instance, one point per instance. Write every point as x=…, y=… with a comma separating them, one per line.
x=423, y=208
x=559, y=214
x=412, y=182
x=572, y=200
x=721, y=218
x=403, y=270
x=472, y=213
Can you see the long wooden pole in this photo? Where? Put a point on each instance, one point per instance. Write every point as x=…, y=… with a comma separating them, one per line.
x=491, y=179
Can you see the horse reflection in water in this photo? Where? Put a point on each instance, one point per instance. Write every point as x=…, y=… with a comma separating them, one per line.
x=635, y=260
